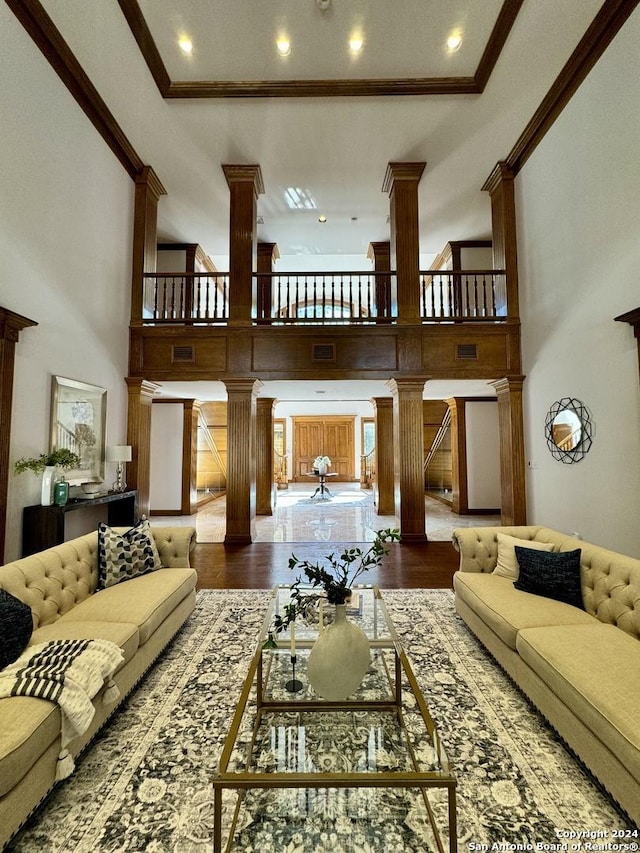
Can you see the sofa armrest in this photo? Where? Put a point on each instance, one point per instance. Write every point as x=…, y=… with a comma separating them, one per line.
x=175, y=544
x=478, y=546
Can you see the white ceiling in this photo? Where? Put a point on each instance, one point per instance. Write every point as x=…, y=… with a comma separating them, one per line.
x=334, y=149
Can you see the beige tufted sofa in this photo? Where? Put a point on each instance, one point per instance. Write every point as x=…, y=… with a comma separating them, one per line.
x=140, y=615
x=580, y=668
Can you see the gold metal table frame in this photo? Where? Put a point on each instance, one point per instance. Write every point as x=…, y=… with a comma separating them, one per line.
x=263, y=695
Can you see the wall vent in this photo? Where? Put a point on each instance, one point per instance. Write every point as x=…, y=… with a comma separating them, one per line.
x=182, y=354
x=467, y=351
x=323, y=352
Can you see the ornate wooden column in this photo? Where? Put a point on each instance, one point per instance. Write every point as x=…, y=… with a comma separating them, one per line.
x=512, y=455
x=401, y=183
x=384, y=486
x=139, y=437
x=500, y=185
x=145, y=236
x=241, y=461
x=11, y=324
x=380, y=254
x=245, y=184
x=264, y=456
x=268, y=254
x=459, y=493
x=189, y=497
x=409, y=456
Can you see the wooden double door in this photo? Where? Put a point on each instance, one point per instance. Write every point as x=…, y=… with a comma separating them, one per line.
x=324, y=436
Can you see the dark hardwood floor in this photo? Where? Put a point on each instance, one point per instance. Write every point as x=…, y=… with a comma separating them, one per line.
x=265, y=564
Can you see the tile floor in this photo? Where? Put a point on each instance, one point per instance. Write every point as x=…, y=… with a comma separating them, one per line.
x=349, y=516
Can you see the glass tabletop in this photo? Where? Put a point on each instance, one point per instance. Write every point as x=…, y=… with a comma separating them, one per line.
x=383, y=737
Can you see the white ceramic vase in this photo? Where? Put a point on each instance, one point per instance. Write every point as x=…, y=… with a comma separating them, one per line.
x=322, y=468
x=339, y=658
x=48, y=478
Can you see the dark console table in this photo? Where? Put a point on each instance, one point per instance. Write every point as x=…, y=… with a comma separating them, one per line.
x=43, y=526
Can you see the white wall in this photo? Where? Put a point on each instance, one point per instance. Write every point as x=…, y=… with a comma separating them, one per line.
x=578, y=209
x=165, y=476
x=66, y=215
x=483, y=455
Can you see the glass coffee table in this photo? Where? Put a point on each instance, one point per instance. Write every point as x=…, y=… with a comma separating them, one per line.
x=301, y=773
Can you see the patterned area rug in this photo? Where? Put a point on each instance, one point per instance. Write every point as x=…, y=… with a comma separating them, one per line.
x=144, y=785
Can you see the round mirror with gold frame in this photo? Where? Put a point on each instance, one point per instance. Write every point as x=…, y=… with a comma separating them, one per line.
x=568, y=430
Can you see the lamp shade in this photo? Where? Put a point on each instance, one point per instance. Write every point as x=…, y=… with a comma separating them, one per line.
x=118, y=453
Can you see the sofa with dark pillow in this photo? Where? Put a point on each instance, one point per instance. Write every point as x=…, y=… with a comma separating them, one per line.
x=134, y=592
x=562, y=617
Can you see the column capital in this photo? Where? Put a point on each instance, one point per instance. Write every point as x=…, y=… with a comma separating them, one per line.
x=11, y=324
x=268, y=250
x=382, y=402
x=147, y=177
x=501, y=172
x=631, y=317
x=244, y=174
x=398, y=171
x=407, y=384
x=508, y=384
x=377, y=248
x=266, y=402
x=145, y=388
x=242, y=385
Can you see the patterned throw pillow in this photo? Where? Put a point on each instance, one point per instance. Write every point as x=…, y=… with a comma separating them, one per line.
x=122, y=556
x=555, y=575
x=16, y=627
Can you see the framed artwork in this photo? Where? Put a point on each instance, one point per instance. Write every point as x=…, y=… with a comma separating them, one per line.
x=78, y=421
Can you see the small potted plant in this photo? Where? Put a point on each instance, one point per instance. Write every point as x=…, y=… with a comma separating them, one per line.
x=46, y=465
x=58, y=458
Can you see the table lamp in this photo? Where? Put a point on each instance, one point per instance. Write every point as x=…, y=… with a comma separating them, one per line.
x=119, y=453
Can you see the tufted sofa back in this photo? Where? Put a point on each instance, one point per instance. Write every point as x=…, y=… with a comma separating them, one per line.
x=610, y=581
x=53, y=581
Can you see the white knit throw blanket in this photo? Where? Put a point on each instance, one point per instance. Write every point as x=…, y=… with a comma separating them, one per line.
x=70, y=673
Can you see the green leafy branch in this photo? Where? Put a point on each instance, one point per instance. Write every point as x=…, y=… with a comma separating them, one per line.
x=61, y=458
x=336, y=581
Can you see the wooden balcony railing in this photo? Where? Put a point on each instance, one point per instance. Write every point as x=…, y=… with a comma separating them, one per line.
x=325, y=298
x=447, y=296
x=186, y=298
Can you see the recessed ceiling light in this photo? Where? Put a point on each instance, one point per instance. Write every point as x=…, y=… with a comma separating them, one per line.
x=322, y=218
x=453, y=42
x=284, y=46
x=186, y=45
x=355, y=43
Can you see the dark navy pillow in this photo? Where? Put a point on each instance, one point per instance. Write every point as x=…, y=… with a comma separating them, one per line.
x=16, y=627
x=554, y=574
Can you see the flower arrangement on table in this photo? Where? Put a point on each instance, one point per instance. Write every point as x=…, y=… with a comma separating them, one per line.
x=336, y=581
x=321, y=463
